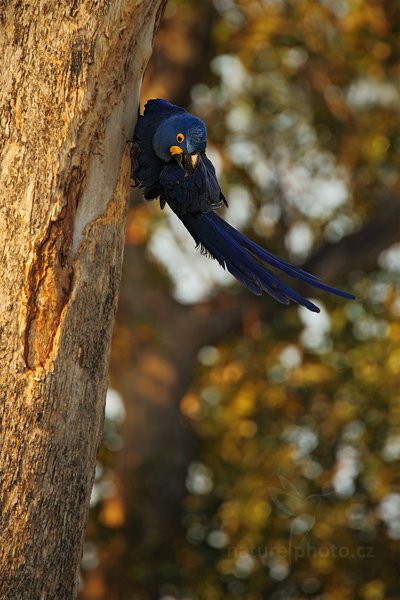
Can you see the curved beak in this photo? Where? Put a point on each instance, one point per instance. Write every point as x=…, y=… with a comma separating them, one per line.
x=187, y=162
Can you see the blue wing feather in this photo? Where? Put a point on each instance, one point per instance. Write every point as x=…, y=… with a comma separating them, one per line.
x=248, y=262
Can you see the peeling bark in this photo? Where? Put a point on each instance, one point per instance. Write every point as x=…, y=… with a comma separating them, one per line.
x=70, y=82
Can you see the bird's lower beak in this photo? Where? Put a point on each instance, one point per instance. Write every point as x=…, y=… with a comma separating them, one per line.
x=191, y=162
x=188, y=162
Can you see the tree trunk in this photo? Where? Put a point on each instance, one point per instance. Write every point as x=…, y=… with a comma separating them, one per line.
x=70, y=81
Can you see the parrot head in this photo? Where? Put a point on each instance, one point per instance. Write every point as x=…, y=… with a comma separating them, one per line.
x=183, y=138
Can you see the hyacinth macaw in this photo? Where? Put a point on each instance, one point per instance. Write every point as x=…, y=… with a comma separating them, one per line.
x=171, y=165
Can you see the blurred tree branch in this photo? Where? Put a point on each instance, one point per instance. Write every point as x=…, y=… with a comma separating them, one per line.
x=361, y=249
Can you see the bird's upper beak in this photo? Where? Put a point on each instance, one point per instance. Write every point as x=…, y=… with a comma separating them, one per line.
x=188, y=162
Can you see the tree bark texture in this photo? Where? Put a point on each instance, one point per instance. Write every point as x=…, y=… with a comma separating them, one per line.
x=70, y=80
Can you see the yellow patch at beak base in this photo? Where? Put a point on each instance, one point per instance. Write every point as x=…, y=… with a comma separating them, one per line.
x=175, y=150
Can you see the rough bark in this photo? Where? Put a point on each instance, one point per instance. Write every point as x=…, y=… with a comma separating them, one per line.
x=70, y=81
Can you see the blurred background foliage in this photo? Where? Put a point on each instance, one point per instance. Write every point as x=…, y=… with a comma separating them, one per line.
x=251, y=450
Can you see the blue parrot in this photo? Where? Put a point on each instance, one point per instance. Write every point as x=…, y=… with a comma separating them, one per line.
x=171, y=164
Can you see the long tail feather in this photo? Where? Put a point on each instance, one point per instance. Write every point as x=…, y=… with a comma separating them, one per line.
x=248, y=262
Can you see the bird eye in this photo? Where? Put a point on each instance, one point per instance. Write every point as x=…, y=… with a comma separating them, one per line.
x=180, y=137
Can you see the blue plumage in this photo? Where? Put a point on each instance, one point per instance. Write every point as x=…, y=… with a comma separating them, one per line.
x=172, y=165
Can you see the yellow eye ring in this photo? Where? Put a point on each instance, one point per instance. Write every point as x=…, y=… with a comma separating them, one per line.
x=180, y=138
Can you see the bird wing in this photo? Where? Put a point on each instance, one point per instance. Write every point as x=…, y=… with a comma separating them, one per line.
x=194, y=199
